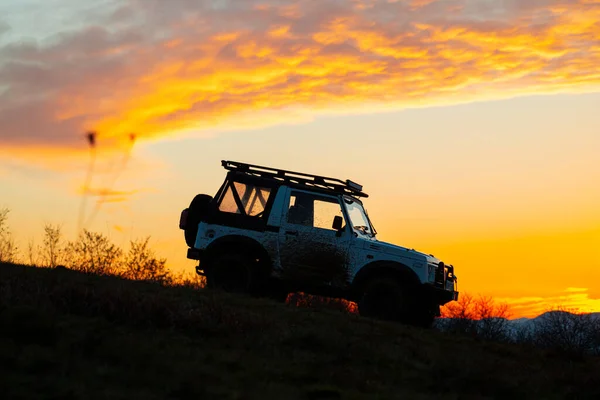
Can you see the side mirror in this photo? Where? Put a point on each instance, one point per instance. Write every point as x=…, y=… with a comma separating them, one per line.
x=337, y=223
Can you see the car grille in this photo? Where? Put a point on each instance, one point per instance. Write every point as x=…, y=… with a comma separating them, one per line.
x=440, y=275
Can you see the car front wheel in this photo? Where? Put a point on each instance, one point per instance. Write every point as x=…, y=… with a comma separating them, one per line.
x=387, y=298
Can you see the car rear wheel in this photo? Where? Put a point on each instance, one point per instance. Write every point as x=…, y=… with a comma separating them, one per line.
x=230, y=272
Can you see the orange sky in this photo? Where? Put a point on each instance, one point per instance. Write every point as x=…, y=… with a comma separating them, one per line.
x=437, y=92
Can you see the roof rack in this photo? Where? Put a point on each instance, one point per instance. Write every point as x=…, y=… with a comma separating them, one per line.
x=314, y=181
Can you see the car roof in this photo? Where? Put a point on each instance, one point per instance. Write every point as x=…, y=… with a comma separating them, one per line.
x=278, y=177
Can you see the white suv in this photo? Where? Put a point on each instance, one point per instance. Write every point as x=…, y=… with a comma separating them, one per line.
x=271, y=232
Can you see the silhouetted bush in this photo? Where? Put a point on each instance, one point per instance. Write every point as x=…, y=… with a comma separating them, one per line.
x=33, y=253
x=318, y=302
x=187, y=279
x=568, y=331
x=140, y=263
x=93, y=253
x=479, y=317
x=52, y=252
x=8, y=248
x=523, y=333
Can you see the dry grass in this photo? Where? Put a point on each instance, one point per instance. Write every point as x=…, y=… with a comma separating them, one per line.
x=68, y=335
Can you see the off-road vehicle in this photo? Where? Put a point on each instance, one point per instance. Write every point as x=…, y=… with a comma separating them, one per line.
x=269, y=232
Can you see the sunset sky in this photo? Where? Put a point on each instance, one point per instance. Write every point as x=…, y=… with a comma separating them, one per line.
x=473, y=124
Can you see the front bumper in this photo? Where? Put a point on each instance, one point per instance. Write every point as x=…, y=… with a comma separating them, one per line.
x=439, y=295
x=443, y=284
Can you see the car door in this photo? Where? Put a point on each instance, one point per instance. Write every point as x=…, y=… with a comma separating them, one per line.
x=311, y=250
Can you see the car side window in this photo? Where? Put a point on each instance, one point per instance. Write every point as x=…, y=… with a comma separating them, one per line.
x=244, y=198
x=313, y=210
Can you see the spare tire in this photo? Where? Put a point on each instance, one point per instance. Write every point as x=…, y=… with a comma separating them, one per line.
x=199, y=207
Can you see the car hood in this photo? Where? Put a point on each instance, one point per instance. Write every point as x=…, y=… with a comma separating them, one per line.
x=395, y=250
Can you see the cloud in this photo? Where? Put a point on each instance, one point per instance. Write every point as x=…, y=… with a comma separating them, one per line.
x=576, y=290
x=106, y=192
x=572, y=298
x=4, y=27
x=119, y=228
x=107, y=195
x=161, y=68
x=118, y=199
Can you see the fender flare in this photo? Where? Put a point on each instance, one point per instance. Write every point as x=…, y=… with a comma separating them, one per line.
x=378, y=268
x=242, y=244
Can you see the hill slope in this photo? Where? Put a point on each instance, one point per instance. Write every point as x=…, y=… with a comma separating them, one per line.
x=71, y=336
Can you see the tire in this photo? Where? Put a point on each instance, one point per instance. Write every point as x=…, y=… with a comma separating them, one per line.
x=197, y=210
x=384, y=299
x=388, y=299
x=230, y=273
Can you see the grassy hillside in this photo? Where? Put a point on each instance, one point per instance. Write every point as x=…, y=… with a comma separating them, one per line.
x=65, y=335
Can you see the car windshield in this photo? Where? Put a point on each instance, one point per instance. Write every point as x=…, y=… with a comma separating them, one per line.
x=359, y=219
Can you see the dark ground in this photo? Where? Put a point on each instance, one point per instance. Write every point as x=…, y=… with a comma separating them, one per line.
x=65, y=335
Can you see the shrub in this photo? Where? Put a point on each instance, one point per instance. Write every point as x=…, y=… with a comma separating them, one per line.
x=304, y=300
x=8, y=248
x=478, y=316
x=188, y=280
x=140, y=263
x=568, y=331
x=93, y=253
x=33, y=253
x=52, y=253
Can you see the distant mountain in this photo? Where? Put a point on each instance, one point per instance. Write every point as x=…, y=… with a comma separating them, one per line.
x=517, y=328
x=549, y=314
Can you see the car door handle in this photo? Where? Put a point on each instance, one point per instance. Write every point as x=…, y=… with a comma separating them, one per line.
x=295, y=233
